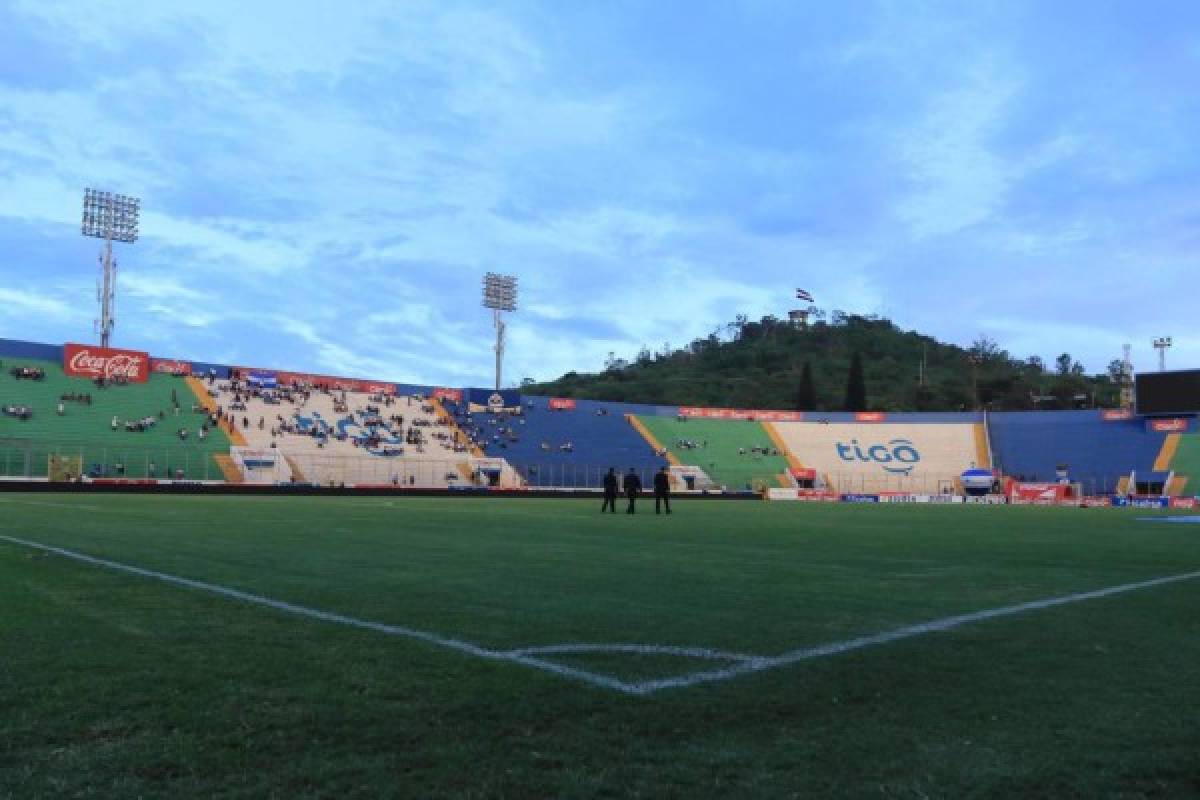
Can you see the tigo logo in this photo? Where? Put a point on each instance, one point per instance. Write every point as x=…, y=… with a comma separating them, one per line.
x=897, y=456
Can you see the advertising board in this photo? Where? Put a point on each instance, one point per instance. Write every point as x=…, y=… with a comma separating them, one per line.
x=109, y=363
x=170, y=366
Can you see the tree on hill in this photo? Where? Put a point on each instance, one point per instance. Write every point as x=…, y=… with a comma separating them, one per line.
x=755, y=364
x=856, y=386
x=806, y=394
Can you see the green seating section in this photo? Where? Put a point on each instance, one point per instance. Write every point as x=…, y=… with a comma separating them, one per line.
x=719, y=452
x=1187, y=461
x=86, y=430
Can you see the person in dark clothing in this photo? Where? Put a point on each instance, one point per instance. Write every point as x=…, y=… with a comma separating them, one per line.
x=662, y=490
x=632, y=484
x=610, y=492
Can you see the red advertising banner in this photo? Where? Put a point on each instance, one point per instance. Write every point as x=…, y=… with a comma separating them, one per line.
x=1095, y=501
x=1177, y=425
x=374, y=387
x=1037, y=493
x=870, y=416
x=817, y=496
x=562, y=404
x=90, y=361
x=170, y=366
x=803, y=473
x=1113, y=415
x=455, y=395
x=331, y=382
x=1185, y=502
x=739, y=413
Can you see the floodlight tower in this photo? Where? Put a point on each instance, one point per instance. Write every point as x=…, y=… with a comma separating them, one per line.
x=113, y=218
x=1126, y=378
x=1161, y=344
x=500, y=295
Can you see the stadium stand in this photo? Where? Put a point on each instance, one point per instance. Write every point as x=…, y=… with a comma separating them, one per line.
x=1181, y=457
x=1096, y=452
x=905, y=453
x=570, y=448
x=737, y=454
x=118, y=431
x=306, y=434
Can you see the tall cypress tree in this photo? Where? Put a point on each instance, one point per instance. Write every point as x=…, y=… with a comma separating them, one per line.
x=856, y=386
x=806, y=394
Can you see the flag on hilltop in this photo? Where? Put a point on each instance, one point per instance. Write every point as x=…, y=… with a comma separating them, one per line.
x=803, y=295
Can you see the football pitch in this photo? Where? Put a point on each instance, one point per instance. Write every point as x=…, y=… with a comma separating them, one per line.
x=168, y=646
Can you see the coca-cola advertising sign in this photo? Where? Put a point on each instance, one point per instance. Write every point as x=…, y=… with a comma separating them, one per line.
x=111, y=364
x=1178, y=425
x=562, y=404
x=170, y=366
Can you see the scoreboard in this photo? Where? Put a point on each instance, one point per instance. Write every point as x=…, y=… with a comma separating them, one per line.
x=1176, y=392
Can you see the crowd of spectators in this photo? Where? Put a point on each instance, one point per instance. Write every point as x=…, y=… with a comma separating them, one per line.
x=28, y=373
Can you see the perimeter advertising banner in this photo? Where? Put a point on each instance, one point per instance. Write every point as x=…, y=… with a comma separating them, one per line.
x=330, y=382
x=562, y=404
x=739, y=413
x=170, y=366
x=453, y=395
x=109, y=363
x=1173, y=425
x=1037, y=494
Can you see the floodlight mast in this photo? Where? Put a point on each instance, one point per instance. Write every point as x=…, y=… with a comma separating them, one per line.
x=1161, y=344
x=111, y=217
x=500, y=295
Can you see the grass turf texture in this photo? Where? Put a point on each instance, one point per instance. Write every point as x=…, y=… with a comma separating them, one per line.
x=113, y=685
x=86, y=430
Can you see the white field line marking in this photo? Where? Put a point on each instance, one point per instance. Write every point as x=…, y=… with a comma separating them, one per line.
x=933, y=626
x=592, y=678
x=526, y=657
x=636, y=649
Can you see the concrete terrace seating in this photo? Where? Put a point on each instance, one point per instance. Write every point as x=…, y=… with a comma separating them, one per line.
x=325, y=442
x=729, y=451
x=599, y=435
x=887, y=456
x=1097, y=452
x=86, y=429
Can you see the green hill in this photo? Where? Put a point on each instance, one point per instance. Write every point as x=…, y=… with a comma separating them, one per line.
x=86, y=430
x=759, y=364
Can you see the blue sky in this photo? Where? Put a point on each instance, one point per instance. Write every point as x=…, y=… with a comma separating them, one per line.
x=325, y=184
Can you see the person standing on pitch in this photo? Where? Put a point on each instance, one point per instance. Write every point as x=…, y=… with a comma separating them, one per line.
x=610, y=492
x=632, y=485
x=662, y=490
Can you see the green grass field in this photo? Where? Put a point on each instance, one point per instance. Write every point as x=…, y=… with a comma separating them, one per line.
x=119, y=685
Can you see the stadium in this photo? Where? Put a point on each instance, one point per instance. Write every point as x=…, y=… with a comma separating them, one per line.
x=300, y=519
x=425, y=564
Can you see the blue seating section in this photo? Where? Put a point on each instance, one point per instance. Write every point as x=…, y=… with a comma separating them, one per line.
x=1098, y=453
x=600, y=436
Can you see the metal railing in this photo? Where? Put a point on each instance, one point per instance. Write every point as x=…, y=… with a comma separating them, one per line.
x=27, y=458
